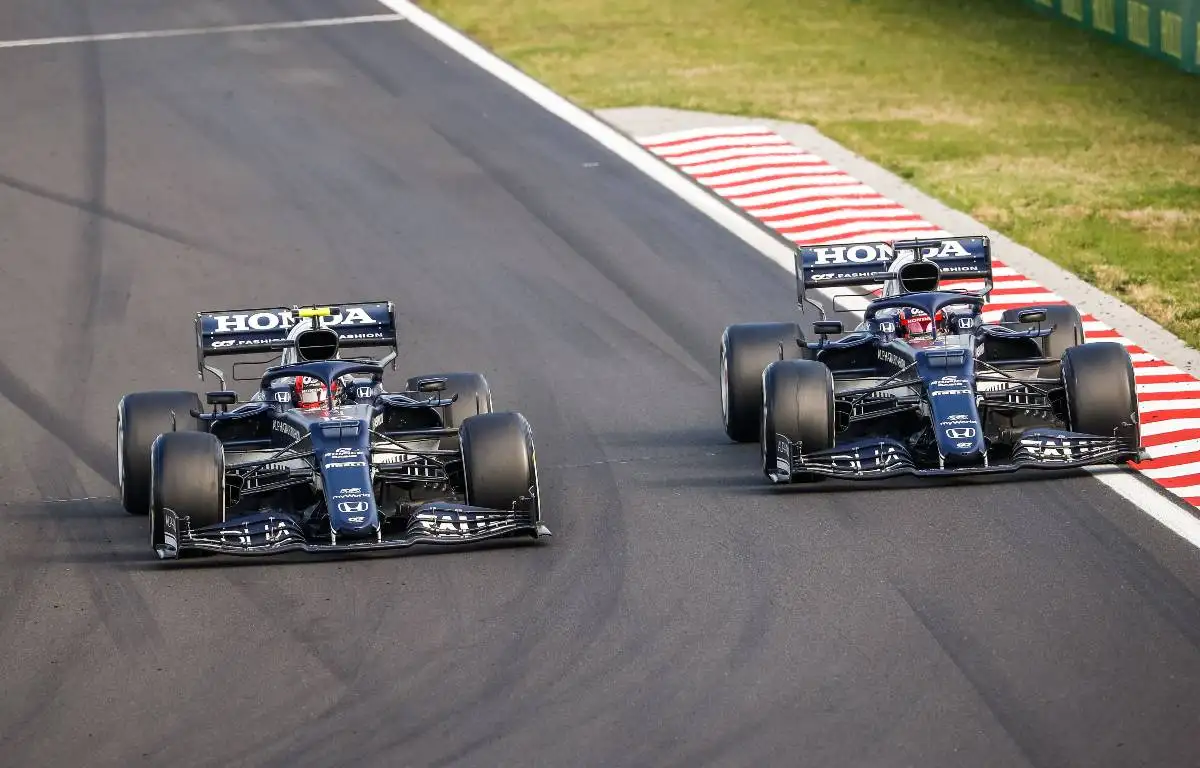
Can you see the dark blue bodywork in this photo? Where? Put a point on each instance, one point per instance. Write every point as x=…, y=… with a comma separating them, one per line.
x=311, y=484
x=969, y=399
x=949, y=376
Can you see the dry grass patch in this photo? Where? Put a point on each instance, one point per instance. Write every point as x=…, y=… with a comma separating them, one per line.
x=1082, y=150
x=1163, y=222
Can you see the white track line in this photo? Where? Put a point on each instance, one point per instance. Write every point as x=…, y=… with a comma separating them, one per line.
x=157, y=33
x=1123, y=481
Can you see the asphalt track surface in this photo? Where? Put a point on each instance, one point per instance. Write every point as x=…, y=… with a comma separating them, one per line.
x=684, y=613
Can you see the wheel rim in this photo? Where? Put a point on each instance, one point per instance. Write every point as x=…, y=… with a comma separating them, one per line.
x=537, y=484
x=150, y=511
x=1068, y=393
x=762, y=433
x=120, y=454
x=220, y=451
x=724, y=386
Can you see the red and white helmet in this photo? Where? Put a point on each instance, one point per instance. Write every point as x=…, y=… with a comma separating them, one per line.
x=310, y=393
x=917, y=324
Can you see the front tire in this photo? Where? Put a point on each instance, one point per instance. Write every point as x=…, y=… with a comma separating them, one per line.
x=141, y=417
x=746, y=349
x=499, y=462
x=1101, y=395
x=187, y=477
x=798, y=403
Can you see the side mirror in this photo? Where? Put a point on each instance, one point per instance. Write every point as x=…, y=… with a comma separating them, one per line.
x=431, y=385
x=827, y=327
x=1031, y=316
x=221, y=397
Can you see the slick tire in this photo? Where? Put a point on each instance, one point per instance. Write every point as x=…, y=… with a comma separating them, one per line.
x=1067, y=333
x=187, y=475
x=1100, y=392
x=747, y=349
x=474, y=397
x=141, y=417
x=499, y=461
x=798, y=403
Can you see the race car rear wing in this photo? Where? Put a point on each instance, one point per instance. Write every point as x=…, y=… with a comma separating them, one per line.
x=255, y=331
x=861, y=264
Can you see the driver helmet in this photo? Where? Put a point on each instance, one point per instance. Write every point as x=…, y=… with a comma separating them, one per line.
x=916, y=324
x=310, y=392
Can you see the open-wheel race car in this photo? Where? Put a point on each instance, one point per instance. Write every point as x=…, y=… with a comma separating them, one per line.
x=923, y=385
x=320, y=457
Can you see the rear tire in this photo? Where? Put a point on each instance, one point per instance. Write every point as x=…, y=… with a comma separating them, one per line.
x=747, y=349
x=798, y=403
x=1067, y=333
x=499, y=461
x=188, y=477
x=1101, y=394
x=141, y=417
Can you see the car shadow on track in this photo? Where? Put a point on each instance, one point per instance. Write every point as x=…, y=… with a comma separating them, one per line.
x=753, y=482
x=103, y=534
x=914, y=483
x=205, y=562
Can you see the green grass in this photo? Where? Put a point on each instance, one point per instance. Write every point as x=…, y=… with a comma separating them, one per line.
x=1080, y=149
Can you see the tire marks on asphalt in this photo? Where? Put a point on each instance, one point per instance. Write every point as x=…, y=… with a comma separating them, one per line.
x=109, y=215
x=115, y=598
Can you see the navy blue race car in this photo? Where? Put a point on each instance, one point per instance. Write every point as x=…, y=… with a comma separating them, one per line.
x=923, y=385
x=321, y=457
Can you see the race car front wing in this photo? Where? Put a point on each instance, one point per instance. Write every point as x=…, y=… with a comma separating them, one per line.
x=271, y=533
x=879, y=458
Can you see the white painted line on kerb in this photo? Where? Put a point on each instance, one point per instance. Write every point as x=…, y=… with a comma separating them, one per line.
x=1162, y=509
x=157, y=33
x=1122, y=481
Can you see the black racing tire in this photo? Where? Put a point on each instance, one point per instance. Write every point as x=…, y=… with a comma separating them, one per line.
x=141, y=417
x=474, y=398
x=499, y=461
x=747, y=349
x=474, y=394
x=1067, y=333
x=187, y=476
x=1101, y=395
x=798, y=403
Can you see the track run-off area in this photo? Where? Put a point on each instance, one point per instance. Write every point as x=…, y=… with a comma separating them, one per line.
x=684, y=613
